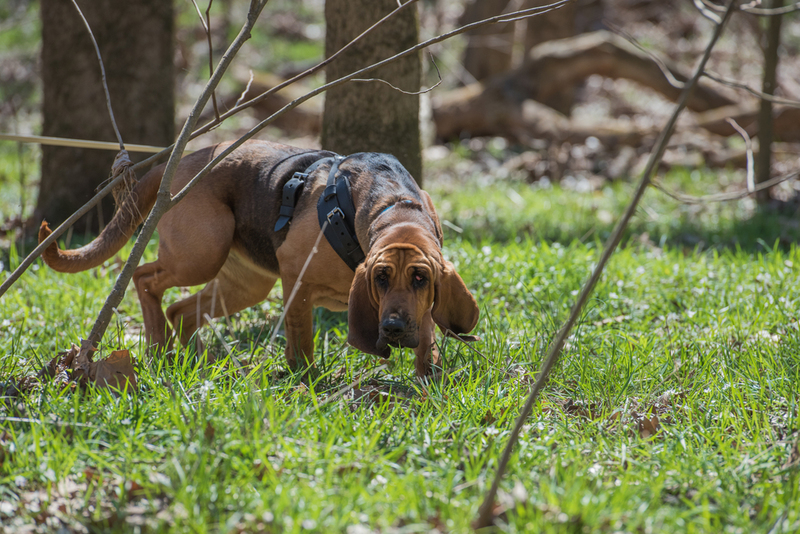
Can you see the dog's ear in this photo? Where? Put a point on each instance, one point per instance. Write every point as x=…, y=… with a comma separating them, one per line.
x=362, y=316
x=426, y=199
x=454, y=307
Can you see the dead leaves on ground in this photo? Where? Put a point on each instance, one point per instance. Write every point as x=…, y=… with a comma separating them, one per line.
x=637, y=418
x=77, y=368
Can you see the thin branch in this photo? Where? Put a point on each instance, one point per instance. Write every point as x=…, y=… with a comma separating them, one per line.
x=722, y=197
x=206, y=22
x=422, y=92
x=707, y=10
x=665, y=70
x=755, y=92
x=103, y=75
x=485, y=516
x=246, y=89
x=748, y=143
x=769, y=12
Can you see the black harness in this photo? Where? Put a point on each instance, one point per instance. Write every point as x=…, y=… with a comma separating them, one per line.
x=335, y=207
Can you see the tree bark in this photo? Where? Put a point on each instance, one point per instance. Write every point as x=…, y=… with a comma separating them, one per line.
x=763, y=164
x=371, y=116
x=557, y=24
x=489, y=48
x=136, y=43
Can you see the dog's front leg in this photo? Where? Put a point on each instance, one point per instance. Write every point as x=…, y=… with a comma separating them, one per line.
x=299, y=328
x=427, y=353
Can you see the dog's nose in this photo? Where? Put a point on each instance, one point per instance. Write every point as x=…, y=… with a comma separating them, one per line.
x=393, y=327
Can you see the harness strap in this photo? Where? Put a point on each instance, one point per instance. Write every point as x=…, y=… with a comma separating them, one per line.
x=336, y=207
x=291, y=193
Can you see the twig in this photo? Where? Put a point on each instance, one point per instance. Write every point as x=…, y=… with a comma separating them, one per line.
x=748, y=143
x=422, y=92
x=755, y=92
x=246, y=89
x=722, y=197
x=485, y=516
x=206, y=22
x=665, y=70
x=769, y=12
x=707, y=10
x=103, y=75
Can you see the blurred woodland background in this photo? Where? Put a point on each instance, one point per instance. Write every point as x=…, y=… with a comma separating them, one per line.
x=575, y=96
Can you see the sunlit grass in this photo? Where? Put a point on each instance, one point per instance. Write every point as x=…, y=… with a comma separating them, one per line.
x=702, y=336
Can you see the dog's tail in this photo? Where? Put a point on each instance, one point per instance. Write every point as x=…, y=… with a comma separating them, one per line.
x=113, y=237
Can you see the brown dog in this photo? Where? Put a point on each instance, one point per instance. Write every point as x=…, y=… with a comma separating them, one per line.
x=222, y=235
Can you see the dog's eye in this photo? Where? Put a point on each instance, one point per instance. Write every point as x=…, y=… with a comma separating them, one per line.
x=382, y=279
x=418, y=280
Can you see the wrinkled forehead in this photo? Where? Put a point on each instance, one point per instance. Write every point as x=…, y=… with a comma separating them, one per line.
x=404, y=254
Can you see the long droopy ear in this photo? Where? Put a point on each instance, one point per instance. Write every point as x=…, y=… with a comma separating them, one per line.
x=454, y=307
x=362, y=316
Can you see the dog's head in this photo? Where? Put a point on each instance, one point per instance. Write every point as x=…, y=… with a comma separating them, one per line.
x=397, y=285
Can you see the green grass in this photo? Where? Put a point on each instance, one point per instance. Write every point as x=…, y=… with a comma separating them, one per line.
x=696, y=325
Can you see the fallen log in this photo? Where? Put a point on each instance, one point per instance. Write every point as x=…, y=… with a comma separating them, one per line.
x=496, y=106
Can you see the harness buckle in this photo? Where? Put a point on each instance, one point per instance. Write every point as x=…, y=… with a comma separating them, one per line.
x=335, y=211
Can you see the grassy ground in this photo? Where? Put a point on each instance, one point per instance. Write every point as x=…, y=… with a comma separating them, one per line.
x=674, y=407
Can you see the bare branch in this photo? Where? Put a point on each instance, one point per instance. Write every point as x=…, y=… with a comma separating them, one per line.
x=769, y=12
x=485, y=518
x=206, y=22
x=722, y=197
x=755, y=92
x=246, y=89
x=707, y=10
x=422, y=92
x=102, y=75
x=671, y=79
x=749, y=153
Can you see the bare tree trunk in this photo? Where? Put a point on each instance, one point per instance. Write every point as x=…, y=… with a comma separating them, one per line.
x=765, y=126
x=489, y=48
x=135, y=40
x=371, y=116
x=557, y=24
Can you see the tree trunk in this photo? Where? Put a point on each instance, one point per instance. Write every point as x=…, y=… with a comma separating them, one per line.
x=765, y=127
x=371, y=116
x=136, y=43
x=557, y=24
x=489, y=48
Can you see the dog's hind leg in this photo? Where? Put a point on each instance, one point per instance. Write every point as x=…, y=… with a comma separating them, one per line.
x=151, y=280
x=236, y=287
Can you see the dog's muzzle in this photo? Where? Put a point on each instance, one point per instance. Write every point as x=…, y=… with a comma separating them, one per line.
x=396, y=331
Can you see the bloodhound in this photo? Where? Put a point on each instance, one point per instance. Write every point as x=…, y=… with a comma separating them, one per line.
x=245, y=225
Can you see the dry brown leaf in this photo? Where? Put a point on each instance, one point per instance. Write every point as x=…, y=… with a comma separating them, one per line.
x=648, y=427
x=114, y=371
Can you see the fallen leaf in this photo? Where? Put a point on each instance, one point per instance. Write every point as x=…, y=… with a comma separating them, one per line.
x=114, y=371
x=648, y=427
